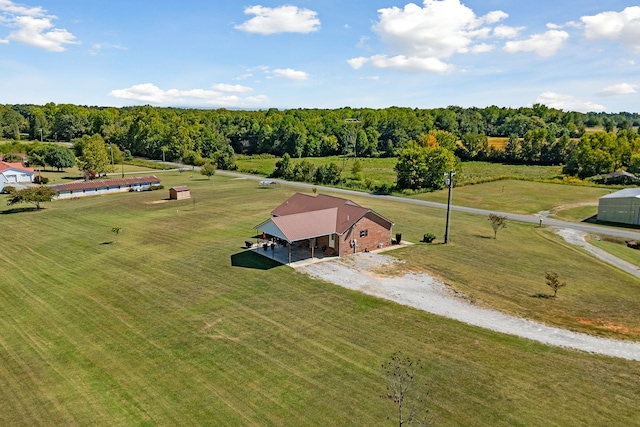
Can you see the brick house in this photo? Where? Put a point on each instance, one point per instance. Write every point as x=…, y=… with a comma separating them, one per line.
x=331, y=224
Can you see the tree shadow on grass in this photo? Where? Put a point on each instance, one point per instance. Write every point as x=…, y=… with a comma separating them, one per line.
x=545, y=296
x=250, y=259
x=20, y=210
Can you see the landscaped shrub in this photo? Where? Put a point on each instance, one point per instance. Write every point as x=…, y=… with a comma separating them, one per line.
x=428, y=237
x=40, y=179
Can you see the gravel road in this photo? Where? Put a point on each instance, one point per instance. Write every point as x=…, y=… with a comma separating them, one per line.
x=421, y=291
x=577, y=237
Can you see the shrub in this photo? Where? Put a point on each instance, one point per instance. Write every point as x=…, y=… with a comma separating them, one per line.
x=428, y=238
x=40, y=180
x=384, y=188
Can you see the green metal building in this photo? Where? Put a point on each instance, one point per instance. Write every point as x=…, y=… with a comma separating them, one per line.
x=622, y=206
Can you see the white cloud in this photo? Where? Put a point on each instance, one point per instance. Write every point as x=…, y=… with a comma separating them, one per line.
x=291, y=74
x=482, y=48
x=14, y=9
x=283, y=19
x=568, y=103
x=357, y=63
x=544, y=45
x=402, y=62
x=363, y=43
x=152, y=94
x=98, y=47
x=421, y=38
x=33, y=27
x=495, y=16
x=619, y=89
x=617, y=26
x=222, y=87
x=506, y=32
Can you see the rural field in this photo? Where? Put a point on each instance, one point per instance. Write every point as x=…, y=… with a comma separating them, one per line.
x=381, y=170
x=170, y=322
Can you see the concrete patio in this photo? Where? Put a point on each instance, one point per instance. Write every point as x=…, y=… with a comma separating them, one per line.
x=301, y=255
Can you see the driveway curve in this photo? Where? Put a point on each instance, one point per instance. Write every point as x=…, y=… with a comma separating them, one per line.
x=423, y=292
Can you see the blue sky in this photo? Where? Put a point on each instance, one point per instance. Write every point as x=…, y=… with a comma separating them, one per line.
x=581, y=55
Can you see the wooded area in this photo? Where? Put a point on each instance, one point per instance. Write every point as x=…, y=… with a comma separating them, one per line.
x=536, y=135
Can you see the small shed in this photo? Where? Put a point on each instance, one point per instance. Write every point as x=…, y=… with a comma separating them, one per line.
x=179, y=193
x=622, y=206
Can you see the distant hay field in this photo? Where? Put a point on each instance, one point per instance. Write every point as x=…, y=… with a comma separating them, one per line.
x=498, y=142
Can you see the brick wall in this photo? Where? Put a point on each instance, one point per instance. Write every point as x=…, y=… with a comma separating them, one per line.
x=377, y=236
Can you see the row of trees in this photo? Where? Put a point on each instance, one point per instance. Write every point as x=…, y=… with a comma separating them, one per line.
x=425, y=141
x=181, y=133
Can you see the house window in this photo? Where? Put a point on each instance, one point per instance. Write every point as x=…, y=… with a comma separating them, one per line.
x=364, y=233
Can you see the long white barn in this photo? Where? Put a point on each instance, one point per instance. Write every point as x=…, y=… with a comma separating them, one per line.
x=105, y=186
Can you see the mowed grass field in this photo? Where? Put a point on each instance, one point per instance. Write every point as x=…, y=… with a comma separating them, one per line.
x=381, y=170
x=172, y=323
x=525, y=197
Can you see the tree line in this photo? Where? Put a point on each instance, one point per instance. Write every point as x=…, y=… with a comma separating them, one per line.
x=536, y=135
x=150, y=131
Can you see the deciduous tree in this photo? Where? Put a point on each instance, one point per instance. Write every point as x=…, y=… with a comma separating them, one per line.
x=59, y=157
x=552, y=280
x=400, y=374
x=423, y=167
x=208, y=169
x=93, y=154
x=33, y=195
x=497, y=222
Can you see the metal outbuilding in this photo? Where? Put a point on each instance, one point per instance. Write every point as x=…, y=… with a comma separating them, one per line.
x=622, y=206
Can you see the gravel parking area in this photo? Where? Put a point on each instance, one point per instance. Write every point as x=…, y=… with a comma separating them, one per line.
x=361, y=272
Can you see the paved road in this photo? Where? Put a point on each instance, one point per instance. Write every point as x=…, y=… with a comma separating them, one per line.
x=533, y=219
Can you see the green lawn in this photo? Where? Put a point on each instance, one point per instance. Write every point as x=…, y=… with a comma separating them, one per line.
x=172, y=323
x=381, y=170
x=74, y=174
x=619, y=248
x=525, y=197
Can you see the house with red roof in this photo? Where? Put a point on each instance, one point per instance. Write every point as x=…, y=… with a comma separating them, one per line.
x=330, y=224
x=14, y=174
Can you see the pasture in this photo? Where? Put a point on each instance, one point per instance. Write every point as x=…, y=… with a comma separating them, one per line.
x=381, y=170
x=525, y=197
x=172, y=323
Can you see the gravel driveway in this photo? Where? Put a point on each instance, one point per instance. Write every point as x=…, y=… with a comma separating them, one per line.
x=423, y=292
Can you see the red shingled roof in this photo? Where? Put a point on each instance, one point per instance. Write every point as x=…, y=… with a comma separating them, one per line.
x=6, y=165
x=104, y=183
x=303, y=217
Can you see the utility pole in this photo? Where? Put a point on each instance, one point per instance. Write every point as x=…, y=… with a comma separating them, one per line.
x=449, y=181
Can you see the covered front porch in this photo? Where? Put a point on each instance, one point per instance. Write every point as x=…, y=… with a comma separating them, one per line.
x=294, y=254
x=309, y=237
